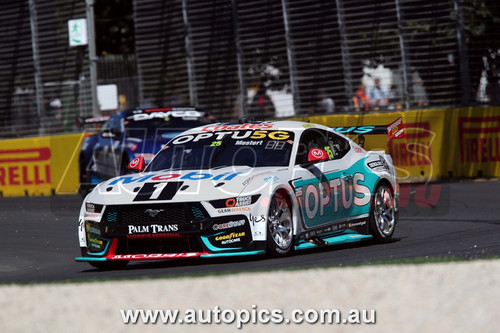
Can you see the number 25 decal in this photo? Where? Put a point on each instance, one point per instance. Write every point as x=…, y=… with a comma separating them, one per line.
x=158, y=191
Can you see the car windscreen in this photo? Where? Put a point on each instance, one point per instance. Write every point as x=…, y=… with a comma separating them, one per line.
x=226, y=148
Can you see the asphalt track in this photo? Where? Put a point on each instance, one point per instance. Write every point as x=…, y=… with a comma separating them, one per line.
x=38, y=239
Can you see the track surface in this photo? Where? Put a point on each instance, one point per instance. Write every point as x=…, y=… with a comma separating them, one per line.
x=38, y=239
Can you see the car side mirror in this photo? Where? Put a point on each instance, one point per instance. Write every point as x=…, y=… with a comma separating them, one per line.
x=316, y=155
x=137, y=164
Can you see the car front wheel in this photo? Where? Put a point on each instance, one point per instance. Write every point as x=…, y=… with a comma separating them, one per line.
x=383, y=215
x=280, y=226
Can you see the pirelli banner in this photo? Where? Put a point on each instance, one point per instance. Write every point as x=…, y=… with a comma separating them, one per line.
x=39, y=166
x=476, y=141
x=438, y=143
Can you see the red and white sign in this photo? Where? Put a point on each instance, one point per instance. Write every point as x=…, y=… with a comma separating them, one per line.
x=137, y=163
x=316, y=154
x=396, y=129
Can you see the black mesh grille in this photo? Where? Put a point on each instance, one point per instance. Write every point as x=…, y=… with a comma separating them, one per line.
x=155, y=213
x=172, y=214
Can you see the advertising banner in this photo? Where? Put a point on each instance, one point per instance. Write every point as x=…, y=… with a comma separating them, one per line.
x=477, y=142
x=39, y=166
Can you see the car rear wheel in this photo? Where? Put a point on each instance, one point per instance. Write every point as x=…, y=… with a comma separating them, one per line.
x=383, y=215
x=280, y=226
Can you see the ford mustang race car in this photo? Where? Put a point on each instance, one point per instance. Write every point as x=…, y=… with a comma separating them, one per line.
x=129, y=134
x=230, y=189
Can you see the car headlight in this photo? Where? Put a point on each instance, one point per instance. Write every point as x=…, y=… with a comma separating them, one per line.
x=245, y=200
x=93, y=208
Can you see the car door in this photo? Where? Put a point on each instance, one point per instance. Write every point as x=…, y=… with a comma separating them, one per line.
x=325, y=185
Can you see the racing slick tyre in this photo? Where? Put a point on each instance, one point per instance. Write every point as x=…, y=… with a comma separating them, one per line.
x=383, y=216
x=109, y=265
x=279, y=226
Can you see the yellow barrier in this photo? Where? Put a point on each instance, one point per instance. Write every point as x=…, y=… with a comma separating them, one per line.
x=39, y=166
x=476, y=142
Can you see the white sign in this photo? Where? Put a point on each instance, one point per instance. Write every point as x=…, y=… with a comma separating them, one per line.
x=77, y=31
x=107, y=95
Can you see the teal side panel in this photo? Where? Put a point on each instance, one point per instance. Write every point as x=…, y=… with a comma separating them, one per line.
x=336, y=197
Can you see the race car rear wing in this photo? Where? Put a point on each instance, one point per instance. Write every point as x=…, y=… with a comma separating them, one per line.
x=394, y=130
x=91, y=120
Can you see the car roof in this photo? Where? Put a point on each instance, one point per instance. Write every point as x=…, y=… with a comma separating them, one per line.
x=280, y=125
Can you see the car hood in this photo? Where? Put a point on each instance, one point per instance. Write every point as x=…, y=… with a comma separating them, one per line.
x=184, y=185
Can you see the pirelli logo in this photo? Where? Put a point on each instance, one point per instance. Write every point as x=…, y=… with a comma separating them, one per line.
x=25, y=166
x=479, y=139
x=416, y=150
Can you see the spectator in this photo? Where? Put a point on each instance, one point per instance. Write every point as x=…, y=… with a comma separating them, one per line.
x=261, y=107
x=325, y=104
x=377, y=96
x=359, y=100
x=493, y=88
x=54, y=115
x=395, y=98
x=419, y=93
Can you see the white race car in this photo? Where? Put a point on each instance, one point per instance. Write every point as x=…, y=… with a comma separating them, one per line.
x=231, y=189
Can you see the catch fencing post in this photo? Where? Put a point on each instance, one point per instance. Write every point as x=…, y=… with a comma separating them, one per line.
x=89, y=8
x=292, y=65
x=36, y=65
x=404, y=60
x=462, y=53
x=193, y=93
x=344, y=46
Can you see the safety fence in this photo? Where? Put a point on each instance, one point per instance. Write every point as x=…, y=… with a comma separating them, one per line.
x=437, y=144
x=255, y=58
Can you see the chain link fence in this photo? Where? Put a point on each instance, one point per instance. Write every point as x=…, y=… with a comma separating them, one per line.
x=258, y=59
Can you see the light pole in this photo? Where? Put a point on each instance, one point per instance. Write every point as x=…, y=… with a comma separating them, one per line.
x=89, y=8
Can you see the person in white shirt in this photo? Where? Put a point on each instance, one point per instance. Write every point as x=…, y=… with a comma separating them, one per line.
x=377, y=96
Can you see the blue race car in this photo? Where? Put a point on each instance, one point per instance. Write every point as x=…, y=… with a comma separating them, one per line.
x=130, y=134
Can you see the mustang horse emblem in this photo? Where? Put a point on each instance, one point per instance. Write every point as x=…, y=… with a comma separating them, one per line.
x=153, y=212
